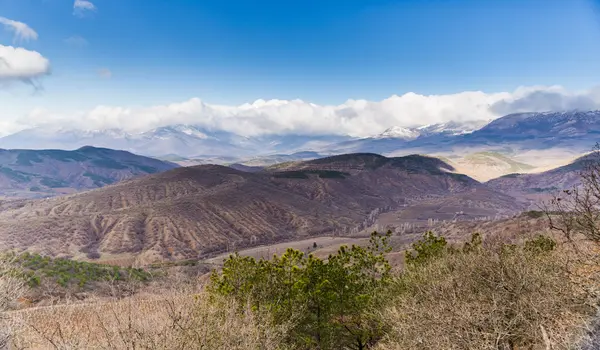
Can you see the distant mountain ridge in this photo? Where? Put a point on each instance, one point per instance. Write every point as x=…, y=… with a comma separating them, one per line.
x=193, y=211
x=35, y=173
x=548, y=182
x=577, y=130
x=197, y=211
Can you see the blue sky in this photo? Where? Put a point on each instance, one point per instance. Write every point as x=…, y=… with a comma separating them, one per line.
x=236, y=51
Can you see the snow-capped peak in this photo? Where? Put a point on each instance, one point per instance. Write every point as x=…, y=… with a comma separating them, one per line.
x=453, y=128
x=398, y=132
x=449, y=128
x=191, y=131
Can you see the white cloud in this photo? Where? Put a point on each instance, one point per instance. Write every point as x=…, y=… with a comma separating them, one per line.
x=22, y=32
x=76, y=41
x=81, y=7
x=18, y=64
x=553, y=99
x=355, y=117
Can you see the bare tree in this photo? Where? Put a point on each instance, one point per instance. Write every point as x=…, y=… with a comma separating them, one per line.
x=577, y=210
x=11, y=288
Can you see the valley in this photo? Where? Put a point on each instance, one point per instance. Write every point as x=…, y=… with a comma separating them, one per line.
x=205, y=211
x=117, y=207
x=308, y=175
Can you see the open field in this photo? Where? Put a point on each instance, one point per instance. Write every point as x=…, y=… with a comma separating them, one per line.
x=324, y=246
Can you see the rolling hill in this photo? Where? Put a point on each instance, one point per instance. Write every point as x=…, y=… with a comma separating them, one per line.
x=198, y=211
x=563, y=177
x=36, y=173
x=484, y=166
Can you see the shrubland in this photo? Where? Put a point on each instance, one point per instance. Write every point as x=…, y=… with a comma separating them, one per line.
x=524, y=290
x=483, y=294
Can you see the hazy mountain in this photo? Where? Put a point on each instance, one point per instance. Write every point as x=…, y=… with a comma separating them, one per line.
x=187, y=212
x=452, y=128
x=186, y=141
x=574, y=130
x=31, y=173
x=281, y=158
x=66, y=139
x=398, y=138
x=397, y=132
x=484, y=166
x=563, y=177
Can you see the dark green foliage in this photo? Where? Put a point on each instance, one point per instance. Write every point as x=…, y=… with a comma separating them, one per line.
x=412, y=163
x=291, y=175
x=431, y=246
x=370, y=160
x=63, y=156
x=109, y=163
x=146, y=169
x=545, y=189
x=540, y=244
x=459, y=177
x=533, y=214
x=474, y=244
x=330, y=174
x=53, y=183
x=418, y=164
x=15, y=174
x=334, y=302
x=99, y=180
x=511, y=176
x=35, y=189
x=304, y=174
x=25, y=158
x=68, y=272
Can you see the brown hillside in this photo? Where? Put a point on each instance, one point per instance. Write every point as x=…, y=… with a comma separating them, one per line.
x=197, y=211
x=43, y=173
x=541, y=183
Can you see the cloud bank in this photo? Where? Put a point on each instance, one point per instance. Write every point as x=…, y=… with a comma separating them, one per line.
x=19, y=64
x=22, y=32
x=359, y=118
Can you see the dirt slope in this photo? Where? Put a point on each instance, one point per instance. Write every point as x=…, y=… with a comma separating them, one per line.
x=198, y=211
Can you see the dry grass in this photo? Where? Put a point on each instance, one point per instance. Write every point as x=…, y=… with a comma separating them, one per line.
x=174, y=322
x=489, y=300
x=479, y=300
x=11, y=288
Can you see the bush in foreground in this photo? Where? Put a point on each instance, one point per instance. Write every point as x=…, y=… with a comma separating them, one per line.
x=11, y=288
x=477, y=296
x=333, y=302
x=503, y=297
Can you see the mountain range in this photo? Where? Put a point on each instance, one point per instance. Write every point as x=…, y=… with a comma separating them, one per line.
x=199, y=211
x=563, y=177
x=573, y=130
x=42, y=173
x=195, y=211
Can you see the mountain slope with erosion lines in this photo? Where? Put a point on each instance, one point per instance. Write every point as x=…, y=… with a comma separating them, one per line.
x=198, y=211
